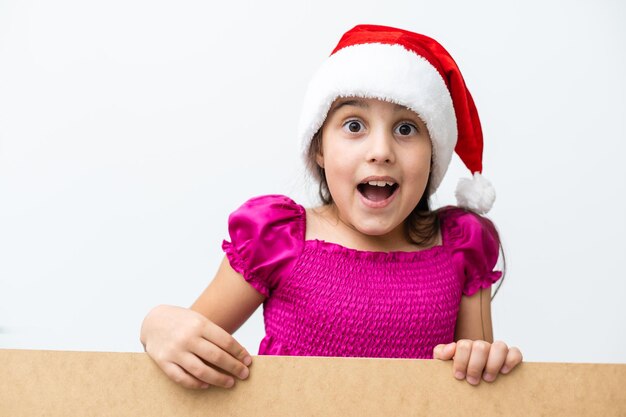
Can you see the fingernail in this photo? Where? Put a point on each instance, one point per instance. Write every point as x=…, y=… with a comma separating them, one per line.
x=459, y=375
x=203, y=386
x=244, y=374
x=247, y=360
x=505, y=369
x=230, y=383
x=488, y=377
x=472, y=380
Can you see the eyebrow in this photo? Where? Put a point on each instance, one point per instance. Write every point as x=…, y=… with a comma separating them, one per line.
x=362, y=104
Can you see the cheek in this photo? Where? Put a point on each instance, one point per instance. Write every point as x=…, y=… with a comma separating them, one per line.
x=336, y=156
x=338, y=173
x=419, y=160
x=418, y=166
x=422, y=169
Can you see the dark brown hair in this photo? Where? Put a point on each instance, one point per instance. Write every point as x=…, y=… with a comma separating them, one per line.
x=422, y=225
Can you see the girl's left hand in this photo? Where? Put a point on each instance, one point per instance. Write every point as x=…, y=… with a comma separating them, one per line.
x=478, y=358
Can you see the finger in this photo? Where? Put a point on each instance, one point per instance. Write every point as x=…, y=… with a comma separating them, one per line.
x=477, y=361
x=214, y=355
x=178, y=375
x=200, y=370
x=225, y=341
x=444, y=352
x=497, y=356
x=513, y=358
x=461, y=358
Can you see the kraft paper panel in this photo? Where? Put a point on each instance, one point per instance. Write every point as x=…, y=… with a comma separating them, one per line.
x=64, y=383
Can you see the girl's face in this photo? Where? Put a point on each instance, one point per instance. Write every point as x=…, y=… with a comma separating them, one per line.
x=376, y=156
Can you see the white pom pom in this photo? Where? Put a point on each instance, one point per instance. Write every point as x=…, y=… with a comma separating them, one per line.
x=477, y=193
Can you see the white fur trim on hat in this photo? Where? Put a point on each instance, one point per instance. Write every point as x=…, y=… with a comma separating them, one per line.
x=477, y=193
x=389, y=72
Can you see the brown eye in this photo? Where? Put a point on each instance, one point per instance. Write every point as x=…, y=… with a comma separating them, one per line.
x=353, y=126
x=405, y=129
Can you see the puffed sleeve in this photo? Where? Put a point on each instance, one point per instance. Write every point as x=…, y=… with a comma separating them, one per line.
x=266, y=238
x=474, y=245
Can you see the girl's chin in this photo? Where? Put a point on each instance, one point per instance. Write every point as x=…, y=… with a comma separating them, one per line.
x=374, y=230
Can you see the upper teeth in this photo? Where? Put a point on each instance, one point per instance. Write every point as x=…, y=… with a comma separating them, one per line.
x=380, y=183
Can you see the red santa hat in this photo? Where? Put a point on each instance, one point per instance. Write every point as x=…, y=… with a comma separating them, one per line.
x=413, y=70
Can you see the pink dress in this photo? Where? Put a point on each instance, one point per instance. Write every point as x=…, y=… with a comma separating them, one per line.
x=324, y=299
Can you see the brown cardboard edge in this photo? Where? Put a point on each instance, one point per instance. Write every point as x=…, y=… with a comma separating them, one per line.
x=62, y=383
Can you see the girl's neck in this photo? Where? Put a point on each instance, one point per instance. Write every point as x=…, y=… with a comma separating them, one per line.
x=324, y=223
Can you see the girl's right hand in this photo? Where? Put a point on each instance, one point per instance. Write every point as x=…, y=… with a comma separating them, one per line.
x=186, y=345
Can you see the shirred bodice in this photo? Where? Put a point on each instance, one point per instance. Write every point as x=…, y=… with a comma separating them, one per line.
x=324, y=299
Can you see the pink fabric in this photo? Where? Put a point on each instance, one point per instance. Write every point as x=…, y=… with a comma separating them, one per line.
x=324, y=299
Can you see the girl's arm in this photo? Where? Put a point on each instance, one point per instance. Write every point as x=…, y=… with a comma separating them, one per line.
x=474, y=317
x=229, y=300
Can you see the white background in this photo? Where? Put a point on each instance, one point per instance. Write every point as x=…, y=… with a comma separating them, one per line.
x=129, y=130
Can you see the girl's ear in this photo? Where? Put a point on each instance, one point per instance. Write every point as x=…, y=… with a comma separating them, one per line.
x=319, y=155
x=319, y=158
x=317, y=147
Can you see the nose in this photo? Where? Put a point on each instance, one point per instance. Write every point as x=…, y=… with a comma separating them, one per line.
x=380, y=147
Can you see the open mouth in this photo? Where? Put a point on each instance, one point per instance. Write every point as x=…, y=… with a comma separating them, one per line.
x=377, y=190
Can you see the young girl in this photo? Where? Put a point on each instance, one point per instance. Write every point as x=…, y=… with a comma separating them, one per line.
x=373, y=271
